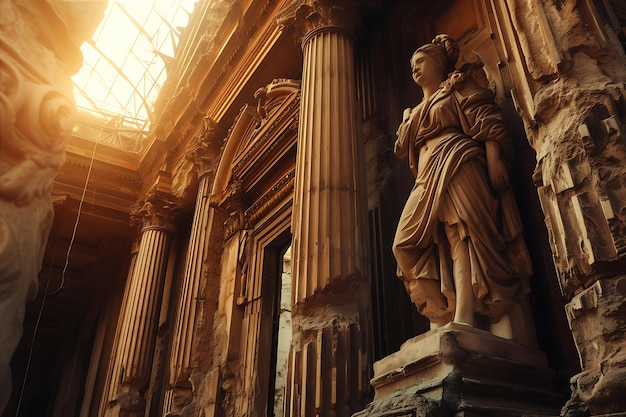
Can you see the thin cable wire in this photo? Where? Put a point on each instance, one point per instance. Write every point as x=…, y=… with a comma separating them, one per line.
x=45, y=293
x=80, y=207
x=32, y=341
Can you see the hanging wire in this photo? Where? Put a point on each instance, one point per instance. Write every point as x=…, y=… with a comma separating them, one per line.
x=80, y=207
x=46, y=293
x=32, y=341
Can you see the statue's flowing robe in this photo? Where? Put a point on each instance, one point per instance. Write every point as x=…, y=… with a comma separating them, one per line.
x=452, y=186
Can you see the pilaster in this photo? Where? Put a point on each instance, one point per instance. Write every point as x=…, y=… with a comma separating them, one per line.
x=112, y=370
x=331, y=350
x=154, y=216
x=203, y=153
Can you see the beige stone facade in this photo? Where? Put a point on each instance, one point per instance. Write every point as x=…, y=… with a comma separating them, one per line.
x=270, y=158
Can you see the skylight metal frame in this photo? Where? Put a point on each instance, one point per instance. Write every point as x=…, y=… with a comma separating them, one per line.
x=120, y=82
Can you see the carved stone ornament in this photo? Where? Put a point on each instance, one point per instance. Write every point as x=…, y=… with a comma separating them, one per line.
x=234, y=205
x=155, y=211
x=204, y=149
x=39, y=49
x=199, y=160
x=270, y=199
x=308, y=16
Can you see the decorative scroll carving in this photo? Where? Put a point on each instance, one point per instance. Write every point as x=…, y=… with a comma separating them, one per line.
x=36, y=120
x=273, y=95
x=205, y=148
x=269, y=200
x=309, y=16
x=36, y=116
x=234, y=205
x=270, y=98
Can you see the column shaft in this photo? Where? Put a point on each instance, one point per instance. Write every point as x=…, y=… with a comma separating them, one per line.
x=331, y=313
x=140, y=321
x=327, y=218
x=113, y=368
x=183, y=333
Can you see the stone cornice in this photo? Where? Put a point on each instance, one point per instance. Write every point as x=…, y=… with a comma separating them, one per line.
x=268, y=201
x=277, y=130
x=217, y=70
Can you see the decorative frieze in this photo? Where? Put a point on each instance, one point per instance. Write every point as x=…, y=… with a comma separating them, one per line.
x=269, y=200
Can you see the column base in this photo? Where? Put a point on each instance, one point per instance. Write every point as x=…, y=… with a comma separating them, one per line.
x=458, y=370
x=127, y=404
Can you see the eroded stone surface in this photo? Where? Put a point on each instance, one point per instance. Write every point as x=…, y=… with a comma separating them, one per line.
x=464, y=369
x=39, y=53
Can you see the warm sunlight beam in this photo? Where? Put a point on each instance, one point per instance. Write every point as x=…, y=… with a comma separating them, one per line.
x=123, y=67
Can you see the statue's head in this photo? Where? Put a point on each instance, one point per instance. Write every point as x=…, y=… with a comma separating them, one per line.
x=443, y=50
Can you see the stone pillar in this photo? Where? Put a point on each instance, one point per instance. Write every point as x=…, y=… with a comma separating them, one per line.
x=39, y=51
x=138, y=322
x=575, y=122
x=331, y=359
x=203, y=153
x=116, y=341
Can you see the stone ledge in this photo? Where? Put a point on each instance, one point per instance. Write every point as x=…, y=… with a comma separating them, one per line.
x=467, y=370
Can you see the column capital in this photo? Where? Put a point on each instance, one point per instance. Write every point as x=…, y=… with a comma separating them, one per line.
x=155, y=211
x=204, y=149
x=234, y=205
x=307, y=17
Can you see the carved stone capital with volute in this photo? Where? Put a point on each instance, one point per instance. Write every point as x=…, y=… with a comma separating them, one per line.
x=234, y=206
x=307, y=17
x=204, y=149
x=155, y=211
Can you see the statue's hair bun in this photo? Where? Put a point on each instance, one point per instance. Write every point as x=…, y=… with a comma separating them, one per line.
x=450, y=48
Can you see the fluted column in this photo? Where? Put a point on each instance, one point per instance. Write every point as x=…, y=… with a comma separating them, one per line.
x=203, y=153
x=112, y=370
x=328, y=198
x=138, y=322
x=331, y=353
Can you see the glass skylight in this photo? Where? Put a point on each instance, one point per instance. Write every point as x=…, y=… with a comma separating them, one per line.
x=126, y=61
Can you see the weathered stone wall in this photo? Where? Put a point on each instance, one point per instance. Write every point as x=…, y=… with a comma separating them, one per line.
x=577, y=71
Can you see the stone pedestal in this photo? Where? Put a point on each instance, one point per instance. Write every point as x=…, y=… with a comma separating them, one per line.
x=462, y=371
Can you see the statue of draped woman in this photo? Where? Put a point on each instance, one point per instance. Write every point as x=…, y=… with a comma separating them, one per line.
x=459, y=244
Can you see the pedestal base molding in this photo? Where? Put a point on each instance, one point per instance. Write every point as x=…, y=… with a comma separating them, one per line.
x=462, y=371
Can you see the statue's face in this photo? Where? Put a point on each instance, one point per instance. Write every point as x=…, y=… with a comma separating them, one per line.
x=426, y=69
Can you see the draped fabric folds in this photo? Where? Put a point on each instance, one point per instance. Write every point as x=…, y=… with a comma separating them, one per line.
x=452, y=188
